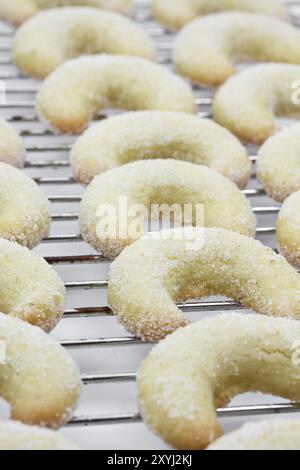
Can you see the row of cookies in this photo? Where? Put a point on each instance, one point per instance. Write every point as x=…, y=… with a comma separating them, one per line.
x=69, y=99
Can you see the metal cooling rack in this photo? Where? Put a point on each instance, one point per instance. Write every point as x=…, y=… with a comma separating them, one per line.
x=101, y=347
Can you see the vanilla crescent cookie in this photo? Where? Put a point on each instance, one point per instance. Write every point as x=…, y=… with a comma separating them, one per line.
x=30, y=289
x=38, y=379
x=170, y=185
x=25, y=214
x=176, y=13
x=207, y=50
x=278, y=163
x=190, y=263
x=200, y=368
x=52, y=37
x=248, y=103
x=18, y=11
x=74, y=93
x=158, y=134
x=279, y=434
x=18, y=436
x=12, y=149
x=288, y=229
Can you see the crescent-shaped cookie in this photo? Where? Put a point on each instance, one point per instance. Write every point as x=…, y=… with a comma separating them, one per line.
x=176, y=13
x=158, y=134
x=180, y=191
x=25, y=213
x=279, y=434
x=191, y=263
x=288, y=229
x=12, y=148
x=38, y=378
x=208, y=49
x=18, y=436
x=54, y=36
x=278, y=163
x=204, y=366
x=18, y=11
x=70, y=97
x=248, y=103
x=30, y=289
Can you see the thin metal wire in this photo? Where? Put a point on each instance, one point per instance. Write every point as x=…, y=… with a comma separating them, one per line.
x=31, y=104
x=73, y=238
x=64, y=217
x=105, y=311
x=230, y=411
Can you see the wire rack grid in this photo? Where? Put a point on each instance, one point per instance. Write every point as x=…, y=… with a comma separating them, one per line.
x=107, y=416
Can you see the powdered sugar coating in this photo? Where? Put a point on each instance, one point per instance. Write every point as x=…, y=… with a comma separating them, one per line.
x=288, y=229
x=24, y=210
x=173, y=270
x=52, y=37
x=279, y=434
x=158, y=134
x=278, y=163
x=18, y=436
x=12, y=149
x=30, y=289
x=78, y=89
x=161, y=182
x=39, y=379
x=248, y=103
x=18, y=11
x=203, y=366
x=207, y=49
x=176, y=13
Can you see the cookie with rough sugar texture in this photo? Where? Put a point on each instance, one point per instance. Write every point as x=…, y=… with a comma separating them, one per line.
x=54, y=36
x=18, y=436
x=192, y=263
x=38, y=378
x=176, y=13
x=204, y=366
x=278, y=163
x=18, y=11
x=75, y=92
x=143, y=135
x=25, y=212
x=207, y=50
x=12, y=148
x=175, y=189
x=288, y=229
x=30, y=288
x=249, y=102
x=279, y=434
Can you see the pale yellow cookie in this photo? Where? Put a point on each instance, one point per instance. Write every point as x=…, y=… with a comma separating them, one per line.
x=249, y=102
x=70, y=97
x=179, y=265
x=18, y=436
x=208, y=49
x=38, y=378
x=278, y=163
x=176, y=13
x=12, y=148
x=205, y=365
x=182, y=191
x=279, y=434
x=54, y=36
x=30, y=289
x=288, y=229
x=158, y=134
x=24, y=209
x=18, y=11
